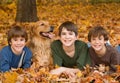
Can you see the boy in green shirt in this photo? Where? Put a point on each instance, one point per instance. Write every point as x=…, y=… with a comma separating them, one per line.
x=68, y=52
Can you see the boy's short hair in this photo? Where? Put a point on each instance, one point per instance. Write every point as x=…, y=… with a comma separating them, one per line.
x=97, y=31
x=70, y=26
x=16, y=31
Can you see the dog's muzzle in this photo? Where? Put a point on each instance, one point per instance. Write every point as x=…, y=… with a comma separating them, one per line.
x=48, y=34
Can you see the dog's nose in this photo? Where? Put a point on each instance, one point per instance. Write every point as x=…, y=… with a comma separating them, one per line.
x=51, y=28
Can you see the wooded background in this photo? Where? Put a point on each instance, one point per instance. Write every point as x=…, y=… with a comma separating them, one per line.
x=85, y=13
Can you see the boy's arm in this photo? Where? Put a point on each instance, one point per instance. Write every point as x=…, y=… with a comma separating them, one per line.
x=56, y=59
x=4, y=61
x=115, y=58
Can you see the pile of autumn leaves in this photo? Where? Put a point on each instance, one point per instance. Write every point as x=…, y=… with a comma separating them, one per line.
x=31, y=75
x=42, y=75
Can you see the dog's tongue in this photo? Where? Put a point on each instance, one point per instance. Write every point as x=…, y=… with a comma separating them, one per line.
x=50, y=35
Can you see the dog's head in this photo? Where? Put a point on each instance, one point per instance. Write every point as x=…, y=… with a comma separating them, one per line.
x=42, y=29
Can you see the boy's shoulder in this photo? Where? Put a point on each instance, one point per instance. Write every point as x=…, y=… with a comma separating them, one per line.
x=55, y=42
x=118, y=46
x=26, y=48
x=80, y=42
x=5, y=48
x=111, y=49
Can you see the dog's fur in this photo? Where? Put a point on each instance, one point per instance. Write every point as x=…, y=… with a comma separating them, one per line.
x=40, y=43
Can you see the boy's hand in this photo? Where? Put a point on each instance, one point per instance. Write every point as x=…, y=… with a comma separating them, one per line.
x=58, y=71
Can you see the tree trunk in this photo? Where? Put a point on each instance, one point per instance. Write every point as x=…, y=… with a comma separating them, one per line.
x=26, y=11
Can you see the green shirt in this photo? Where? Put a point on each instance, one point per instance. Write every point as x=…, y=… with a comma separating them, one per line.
x=79, y=60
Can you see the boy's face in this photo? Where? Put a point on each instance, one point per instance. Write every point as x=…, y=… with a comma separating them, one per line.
x=17, y=44
x=98, y=43
x=67, y=37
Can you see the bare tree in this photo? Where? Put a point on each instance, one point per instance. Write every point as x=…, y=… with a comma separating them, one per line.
x=26, y=11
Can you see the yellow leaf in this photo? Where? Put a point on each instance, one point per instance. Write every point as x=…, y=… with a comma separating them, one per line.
x=56, y=66
x=79, y=74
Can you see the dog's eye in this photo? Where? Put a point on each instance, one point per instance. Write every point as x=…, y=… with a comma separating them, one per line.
x=42, y=24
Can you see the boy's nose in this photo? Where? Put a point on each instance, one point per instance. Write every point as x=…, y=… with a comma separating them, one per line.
x=97, y=41
x=67, y=36
x=18, y=42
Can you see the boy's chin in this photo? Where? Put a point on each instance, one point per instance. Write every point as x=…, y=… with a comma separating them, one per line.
x=19, y=50
x=97, y=49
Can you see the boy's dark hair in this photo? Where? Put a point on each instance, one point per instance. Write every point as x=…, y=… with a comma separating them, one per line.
x=16, y=31
x=70, y=26
x=97, y=31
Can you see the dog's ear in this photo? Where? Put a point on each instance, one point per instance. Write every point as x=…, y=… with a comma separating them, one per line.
x=31, y=26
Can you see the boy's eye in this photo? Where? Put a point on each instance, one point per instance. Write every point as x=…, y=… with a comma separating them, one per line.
x=22, y=39
x=100, y=38
x=70, y=33
x=63, y=33
x=92, y=38
x=14, y=39
x=42, y=24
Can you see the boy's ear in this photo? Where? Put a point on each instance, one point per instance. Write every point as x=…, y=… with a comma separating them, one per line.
x=105, y=41
x=9, y=42
x=77, y=37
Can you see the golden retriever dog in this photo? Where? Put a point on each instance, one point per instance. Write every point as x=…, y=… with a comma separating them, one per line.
x=40, y=40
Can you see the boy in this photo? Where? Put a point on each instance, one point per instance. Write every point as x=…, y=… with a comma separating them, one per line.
x=15, y=54
x=68, y=52
x=100, y=52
